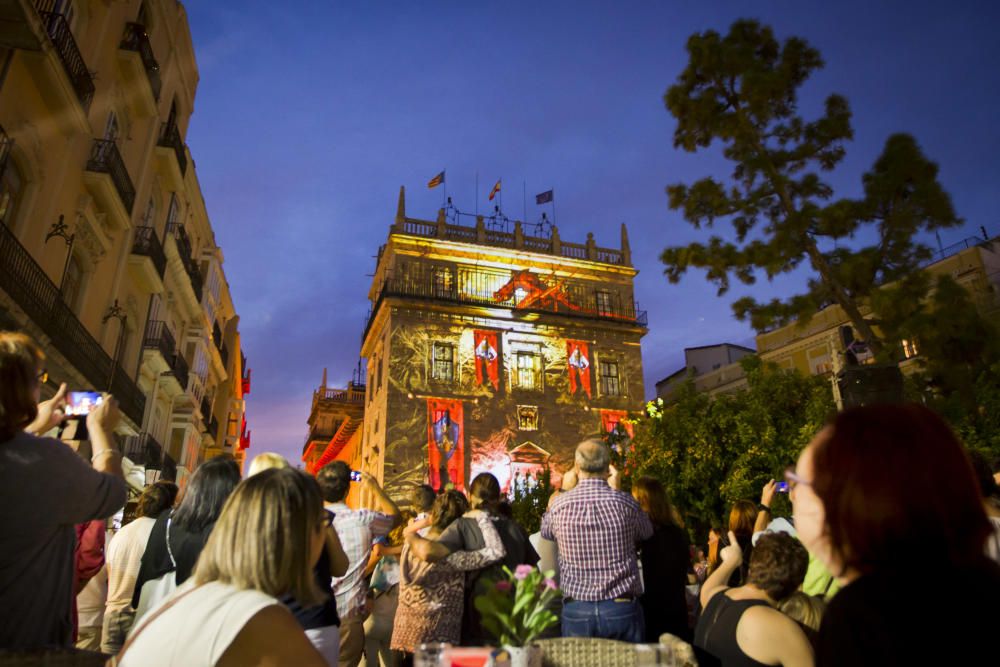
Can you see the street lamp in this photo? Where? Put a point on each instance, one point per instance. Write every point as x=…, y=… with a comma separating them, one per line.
x=61, y=230
x=117, y=312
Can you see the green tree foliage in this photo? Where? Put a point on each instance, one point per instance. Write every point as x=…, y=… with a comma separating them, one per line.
x=712, y=451
x=529, y=498
x=741, y=90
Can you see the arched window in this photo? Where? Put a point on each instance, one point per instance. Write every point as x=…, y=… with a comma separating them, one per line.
x=12, y=184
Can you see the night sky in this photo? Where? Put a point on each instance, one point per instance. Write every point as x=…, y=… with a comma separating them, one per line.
x=310, y=115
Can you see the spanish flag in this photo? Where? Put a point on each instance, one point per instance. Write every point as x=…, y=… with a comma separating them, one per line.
x=436, y=181
x=495, y=190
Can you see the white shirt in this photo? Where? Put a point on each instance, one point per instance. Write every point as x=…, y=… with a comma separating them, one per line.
x=198, y=629
x=123, y=557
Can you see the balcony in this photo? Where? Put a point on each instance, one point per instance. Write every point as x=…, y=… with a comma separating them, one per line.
x=148, y=262
x=27, y=284
x=107, y=161
x=144, y=450
x=136, y=40
x=206, y=411
x=177, y=230
x=170, y=138
x=519, y=291
x=158, y=340
x=58, y=30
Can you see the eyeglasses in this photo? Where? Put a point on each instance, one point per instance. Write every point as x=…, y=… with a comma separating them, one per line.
x=326, y=519
x=43, y=376
x=795, y=479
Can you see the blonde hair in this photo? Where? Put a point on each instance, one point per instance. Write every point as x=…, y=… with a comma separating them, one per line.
x=263, y=538
x=266, y=461
x=20, y=361
x=805, y=609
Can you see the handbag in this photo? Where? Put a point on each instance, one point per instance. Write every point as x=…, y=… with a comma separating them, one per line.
x=157, y=590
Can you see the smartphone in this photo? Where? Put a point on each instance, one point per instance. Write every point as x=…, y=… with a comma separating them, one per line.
x=80, y=403
x=782, y=487
x=355, y=476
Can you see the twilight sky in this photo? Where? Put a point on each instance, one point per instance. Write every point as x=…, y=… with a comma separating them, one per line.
x=310, y=115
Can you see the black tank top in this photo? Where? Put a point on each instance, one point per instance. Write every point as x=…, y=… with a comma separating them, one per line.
x=715, y=637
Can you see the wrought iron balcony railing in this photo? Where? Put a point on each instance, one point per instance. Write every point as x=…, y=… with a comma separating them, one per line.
x=158, y=337
x=27, y=284
x=179, y=369
x=170, y=137
x=136, y=39
x=147, y=244
x=187, y=256
x=144, y=450
x=62, y=39
x=105, y=159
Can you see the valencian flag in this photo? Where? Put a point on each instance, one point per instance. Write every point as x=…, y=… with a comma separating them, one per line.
x=487, y=358
x=445, y=453
x=612, y=418
x=495, y=190
x=436, y=181
x=544, y=198
x=579, y=366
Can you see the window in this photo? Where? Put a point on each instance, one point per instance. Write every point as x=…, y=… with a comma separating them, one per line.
x=443, y=362
x=72, y=287
x=604, y=302
x=11, y=193
x=527, y=417
x=610, y=385
x=444, y=283
x=529, y=370
x=910, y=349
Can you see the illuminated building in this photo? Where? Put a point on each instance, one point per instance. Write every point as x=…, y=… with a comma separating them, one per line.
x=107, y=255
x=494, y=350
x=335, y=427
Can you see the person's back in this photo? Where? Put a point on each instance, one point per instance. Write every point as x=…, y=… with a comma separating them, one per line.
x=913, y=616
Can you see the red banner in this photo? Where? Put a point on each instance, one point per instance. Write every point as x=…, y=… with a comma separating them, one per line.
x=579, y=366
x=487, y=358
x=445, y=453
x=611, y=418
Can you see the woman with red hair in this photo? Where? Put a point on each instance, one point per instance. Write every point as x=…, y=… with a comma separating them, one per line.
x=886, y=498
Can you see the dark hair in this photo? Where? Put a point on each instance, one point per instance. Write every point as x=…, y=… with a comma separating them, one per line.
x=334, y=481
x=894, y=480
x=206, y=493
x=652, y=497
x=449, y=506
x=20, y=361
x=157, y=498
x=778, y=565
x=980, y=466
x=742, y=517
x=505, y=509
x=423, y=497
x=485, y=491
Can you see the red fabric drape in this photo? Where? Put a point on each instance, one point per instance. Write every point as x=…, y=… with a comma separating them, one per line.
x=445, y=450
x=610, y=418
x=487, y=357
x=578, y=362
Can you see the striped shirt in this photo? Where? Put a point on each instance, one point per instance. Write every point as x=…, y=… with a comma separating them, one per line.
x=596, y=529
x=356, y=530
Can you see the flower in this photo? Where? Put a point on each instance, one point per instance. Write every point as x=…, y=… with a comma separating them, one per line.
x=518, y=607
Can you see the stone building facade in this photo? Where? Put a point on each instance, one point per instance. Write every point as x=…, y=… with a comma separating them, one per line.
x=493, y=350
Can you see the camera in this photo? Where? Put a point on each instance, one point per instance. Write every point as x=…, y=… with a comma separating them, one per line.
x=355, y=476
x=782, y=487
x=80, y=403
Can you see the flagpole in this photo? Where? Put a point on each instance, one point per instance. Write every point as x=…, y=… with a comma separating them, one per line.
x=524, y=200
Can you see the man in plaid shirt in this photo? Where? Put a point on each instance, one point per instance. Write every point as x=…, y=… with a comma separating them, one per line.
x=357, y=529
x=596, y=528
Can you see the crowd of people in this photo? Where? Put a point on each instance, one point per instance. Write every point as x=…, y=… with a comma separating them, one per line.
x=892, y=545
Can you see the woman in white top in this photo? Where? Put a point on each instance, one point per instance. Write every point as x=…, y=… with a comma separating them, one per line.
x=264, y=546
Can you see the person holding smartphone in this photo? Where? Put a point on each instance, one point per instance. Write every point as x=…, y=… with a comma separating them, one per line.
x=48, y=489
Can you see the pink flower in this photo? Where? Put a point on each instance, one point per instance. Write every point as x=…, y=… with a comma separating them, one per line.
x=523, y=571
x=503, y=586
x=551, y=584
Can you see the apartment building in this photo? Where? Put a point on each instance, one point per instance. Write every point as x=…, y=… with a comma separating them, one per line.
x=107, y=254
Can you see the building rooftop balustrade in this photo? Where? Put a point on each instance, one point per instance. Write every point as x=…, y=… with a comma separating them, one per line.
x=353, y=394
x=136, y=39
x=62, y=39
x=28, y=285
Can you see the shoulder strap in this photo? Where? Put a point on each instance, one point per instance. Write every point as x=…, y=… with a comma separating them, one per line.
x=116, y=660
